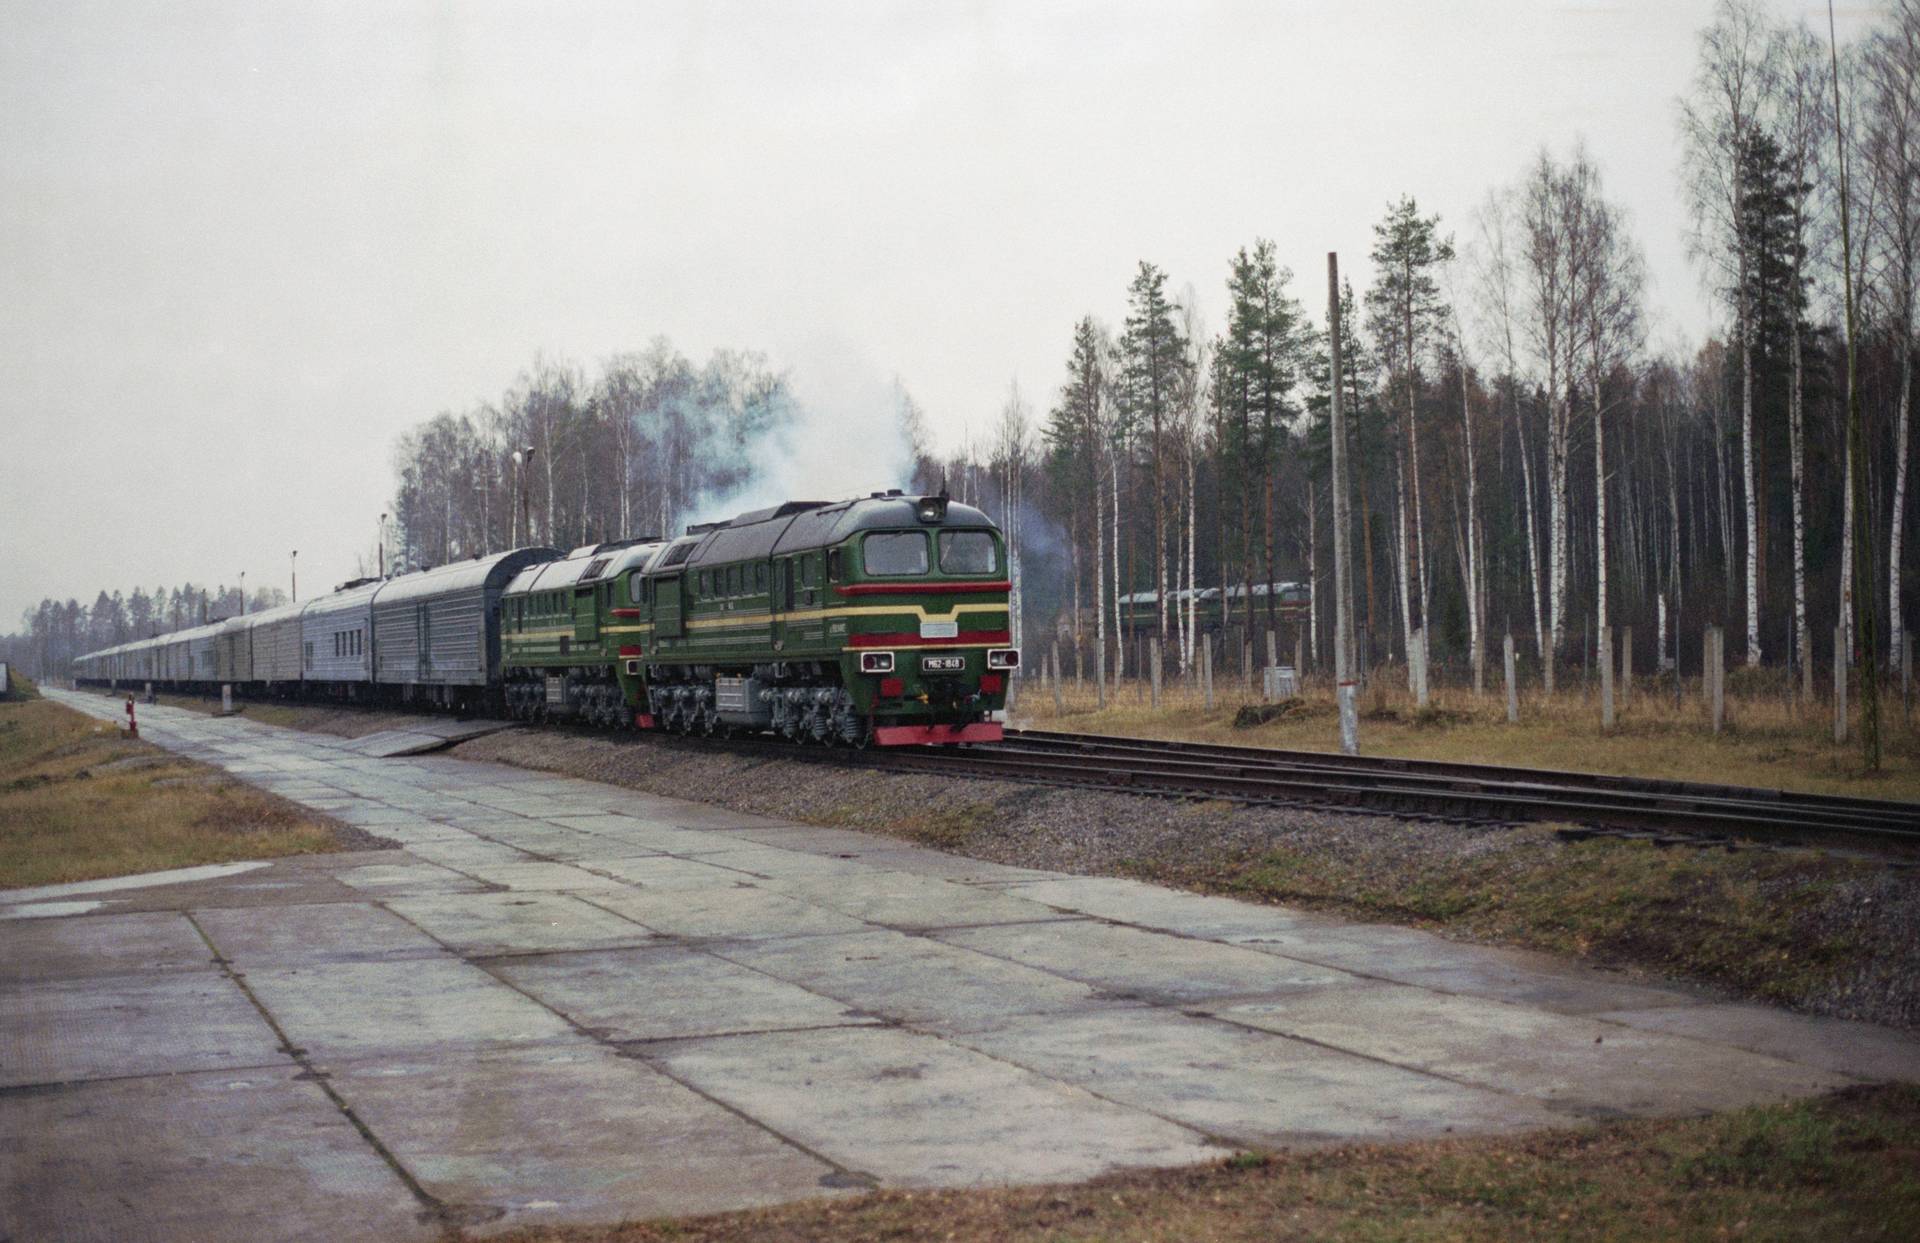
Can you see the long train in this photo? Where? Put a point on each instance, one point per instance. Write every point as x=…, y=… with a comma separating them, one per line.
x=881, y=620
x=1214, y=609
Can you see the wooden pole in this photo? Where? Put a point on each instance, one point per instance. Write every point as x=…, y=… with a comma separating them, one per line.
x=1206, y=670
x=1606, y=677
x=1059, y=709
x=1626, y=665
x=1719, y=678
x=1840, y=683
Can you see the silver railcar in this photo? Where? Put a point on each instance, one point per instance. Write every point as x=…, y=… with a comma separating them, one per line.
x=436, y=633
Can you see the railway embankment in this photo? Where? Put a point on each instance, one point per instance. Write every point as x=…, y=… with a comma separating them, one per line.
x=1817, y=932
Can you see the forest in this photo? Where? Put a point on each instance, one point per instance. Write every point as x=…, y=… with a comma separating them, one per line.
x=1524, y=459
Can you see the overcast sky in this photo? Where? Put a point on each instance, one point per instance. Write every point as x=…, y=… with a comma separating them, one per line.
x=242, y=246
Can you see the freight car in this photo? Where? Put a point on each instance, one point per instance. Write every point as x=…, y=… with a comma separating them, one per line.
x=881, y=619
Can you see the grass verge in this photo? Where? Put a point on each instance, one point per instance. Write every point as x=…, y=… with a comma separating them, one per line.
x=78, y=801
x=1840, y=1167
x=1769, y=740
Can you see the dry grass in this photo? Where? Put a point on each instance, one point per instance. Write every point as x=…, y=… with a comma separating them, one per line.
x=1844, y=1167
x=1768, y=741
x=78, y=801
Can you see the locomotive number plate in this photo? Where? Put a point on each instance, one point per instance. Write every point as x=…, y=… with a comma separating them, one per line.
x=943, y=664
x=939, y=629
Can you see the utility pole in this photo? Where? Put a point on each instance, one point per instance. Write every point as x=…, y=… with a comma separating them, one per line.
x=1344, y=689
x=383, y=545
x=243, y=593
x=294, y=573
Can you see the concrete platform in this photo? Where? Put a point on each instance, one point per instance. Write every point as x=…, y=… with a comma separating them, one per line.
x=567, y=1002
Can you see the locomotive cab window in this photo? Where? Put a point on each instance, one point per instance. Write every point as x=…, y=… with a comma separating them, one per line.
x=895, y=552
x=966, y=552
x=634, y=582
x=833, y=565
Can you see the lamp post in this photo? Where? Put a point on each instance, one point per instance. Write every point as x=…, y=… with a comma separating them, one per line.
x=383, y=545
x=294, y=573
x=523, y=458
x=243, y=593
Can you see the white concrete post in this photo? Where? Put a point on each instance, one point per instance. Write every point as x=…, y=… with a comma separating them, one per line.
x=1418, y=655
x=1154, y=669
x=1513, y=686
x=1058, y=708
x=1348, y=693
x=226, y=699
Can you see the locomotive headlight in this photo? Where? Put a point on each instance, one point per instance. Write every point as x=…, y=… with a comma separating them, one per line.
x=1003, y=658
x=876, y=662
x=931, y=509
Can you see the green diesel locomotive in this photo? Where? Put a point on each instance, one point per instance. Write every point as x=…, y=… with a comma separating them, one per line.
x=879, y=620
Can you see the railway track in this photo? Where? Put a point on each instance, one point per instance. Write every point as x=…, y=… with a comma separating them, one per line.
x=1418, y=789
x=1438, y=790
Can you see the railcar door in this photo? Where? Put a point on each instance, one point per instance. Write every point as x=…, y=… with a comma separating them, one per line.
x=667, y=622
x=586, y=615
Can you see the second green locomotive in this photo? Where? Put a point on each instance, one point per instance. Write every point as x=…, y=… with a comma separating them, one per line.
x=879, y=620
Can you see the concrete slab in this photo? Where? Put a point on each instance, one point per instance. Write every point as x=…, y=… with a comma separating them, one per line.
x=74, y=949
x=254, y=1156
x=913, y=1110
x=341, y=1011
x=912, y=979
x=775, y=863
x=523, y=1138
x=731, y=912
x=518, y=923
x=1588, y=1068
x=108, y=1027
x=468, y=851
x=1169, y=910
x=258, y=936
x=906, y=900
x=1249, y=1087
x=668, y=992
x=1149, y=966
x=668, y=872
x=409, y=878
x=1858, y=1050
x=552, y=877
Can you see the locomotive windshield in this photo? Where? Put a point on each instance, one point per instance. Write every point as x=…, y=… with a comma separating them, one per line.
x=966, y=552
x=895, y=552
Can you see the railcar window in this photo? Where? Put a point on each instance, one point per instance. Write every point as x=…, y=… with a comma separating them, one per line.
x=760, y=577
x=895, y=552
x=833, y=565
x=733, y=580
x=966, y=552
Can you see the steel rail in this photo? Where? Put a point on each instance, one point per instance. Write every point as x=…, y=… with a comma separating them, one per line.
x=1592, y=798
